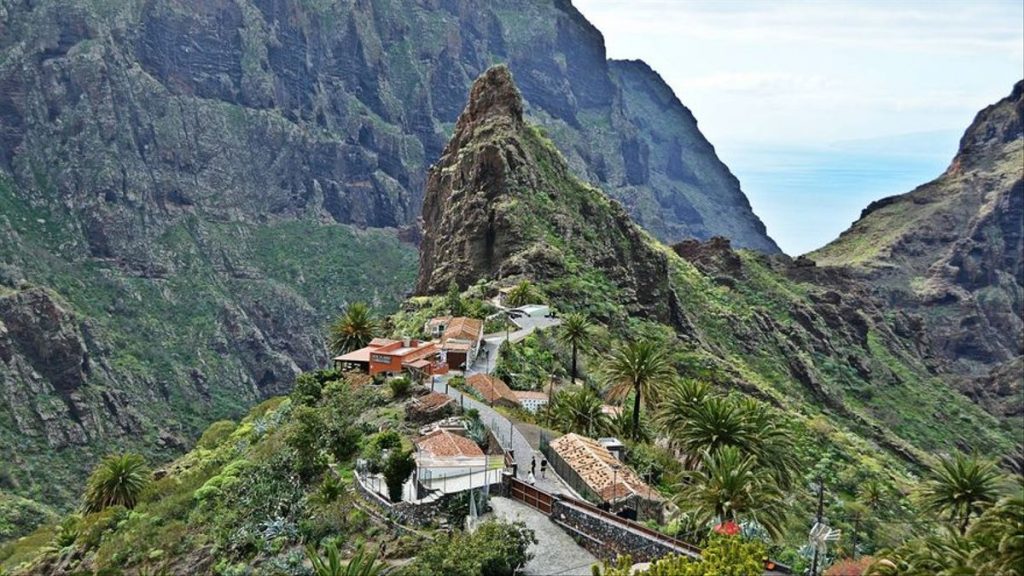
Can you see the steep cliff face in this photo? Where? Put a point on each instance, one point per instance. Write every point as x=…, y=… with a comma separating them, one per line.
x=501, y=204
x=952, y=251
x=186, y=179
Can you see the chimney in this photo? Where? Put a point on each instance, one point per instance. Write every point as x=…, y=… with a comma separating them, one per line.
x=405, y=341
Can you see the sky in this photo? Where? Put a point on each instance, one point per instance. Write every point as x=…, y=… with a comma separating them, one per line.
x=821, y=106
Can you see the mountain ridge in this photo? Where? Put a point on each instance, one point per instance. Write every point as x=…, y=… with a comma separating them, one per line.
x=951, y=251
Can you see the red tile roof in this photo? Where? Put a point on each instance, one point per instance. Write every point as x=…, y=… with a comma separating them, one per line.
x=441, y=443
x=462, y=328
x=491, y=388
x=432, y=401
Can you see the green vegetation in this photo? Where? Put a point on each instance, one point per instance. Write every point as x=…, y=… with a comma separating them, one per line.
x=397, y=468
x=524, y=293
x=642, y=368
x=119, y=480
x=992, y=544
x=352, y=330
x=722, y=556
x=578, y=410
x=361, y=564
x=575, y=332
x=19, y=516
x=731, y=486
x=494, y=549
x=961, y=487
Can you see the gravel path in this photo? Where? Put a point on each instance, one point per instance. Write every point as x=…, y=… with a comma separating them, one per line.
x=555, y=552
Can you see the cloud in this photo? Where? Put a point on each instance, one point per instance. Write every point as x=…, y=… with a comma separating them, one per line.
x=944, y=27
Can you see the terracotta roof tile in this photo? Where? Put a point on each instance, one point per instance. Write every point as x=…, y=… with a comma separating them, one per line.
x=462, y=328
x=432, y=401
x=491, y=388
x=593, y=463
x=441, y=443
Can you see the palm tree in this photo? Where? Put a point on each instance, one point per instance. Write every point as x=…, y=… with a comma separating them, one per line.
x=362, y=564
x=873, y=494
x=732, y=486
x=575, y=332
x=352, y=330
x=771, y=441
x=710, y=425
x=961, y=486
x=119, y=480
x=679, y=402
x=522, y=294
x=643, y=368
x=999, y=533
x=578, y=411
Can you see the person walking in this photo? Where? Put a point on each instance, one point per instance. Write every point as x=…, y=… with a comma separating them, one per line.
x=533, y=464
x=543, y=467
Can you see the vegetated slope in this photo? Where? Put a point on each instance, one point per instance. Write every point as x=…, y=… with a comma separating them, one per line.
x=952, y=251
x=176, y=178
x=243, y=500
x=501, y=207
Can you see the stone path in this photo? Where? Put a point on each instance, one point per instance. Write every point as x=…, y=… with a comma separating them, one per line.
x=555, y=552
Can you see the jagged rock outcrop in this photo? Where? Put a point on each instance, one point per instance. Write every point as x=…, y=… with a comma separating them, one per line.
x=501, y=203
x=952, y=252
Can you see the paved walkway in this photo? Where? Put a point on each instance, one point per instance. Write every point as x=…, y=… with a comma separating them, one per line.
x=488, y=356
x=555, y=551
x=504, y=430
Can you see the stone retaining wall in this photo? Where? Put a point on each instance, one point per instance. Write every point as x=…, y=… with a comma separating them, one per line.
x=605, y=539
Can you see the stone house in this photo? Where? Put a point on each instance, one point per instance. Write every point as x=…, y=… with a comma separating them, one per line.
x=594, y=472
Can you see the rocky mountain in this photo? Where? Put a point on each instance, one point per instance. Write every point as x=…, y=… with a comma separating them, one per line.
x=952, y=252
x=813, y=341
x=501, y=204
x=189, y=190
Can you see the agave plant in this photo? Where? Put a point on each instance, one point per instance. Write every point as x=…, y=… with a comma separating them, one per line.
x=361, y=564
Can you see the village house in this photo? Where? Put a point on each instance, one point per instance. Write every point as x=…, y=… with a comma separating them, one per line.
x=460, y=341
x=447, y=462
x=435, y=327
x=493, y=390
x=385, y=356
x=593, y=471
x=429, y=407
x=530, y=400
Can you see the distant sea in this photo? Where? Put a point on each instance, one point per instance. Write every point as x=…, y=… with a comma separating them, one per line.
x=807, y=196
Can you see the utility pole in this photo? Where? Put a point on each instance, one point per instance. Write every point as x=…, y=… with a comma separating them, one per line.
x=856, y=527
x=817, y=520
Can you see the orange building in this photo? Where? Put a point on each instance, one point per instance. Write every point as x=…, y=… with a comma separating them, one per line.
x=385, y=356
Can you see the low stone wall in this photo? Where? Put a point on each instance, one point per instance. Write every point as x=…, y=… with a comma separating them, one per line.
x=403, y=512
x=604, y=538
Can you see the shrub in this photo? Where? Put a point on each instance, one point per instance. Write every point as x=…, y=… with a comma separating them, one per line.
x=495, y=549
x=216, y=433
x=304, y=437
x=400, y=386
x=397, y=469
